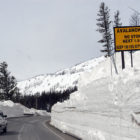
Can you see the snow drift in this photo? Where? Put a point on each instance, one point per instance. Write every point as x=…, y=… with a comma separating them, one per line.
x=106, y=106
x=12, y=109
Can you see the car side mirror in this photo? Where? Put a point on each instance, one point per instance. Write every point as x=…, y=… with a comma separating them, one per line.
x=5, y=116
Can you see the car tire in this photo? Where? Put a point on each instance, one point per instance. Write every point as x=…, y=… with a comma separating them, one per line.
x=5, y=130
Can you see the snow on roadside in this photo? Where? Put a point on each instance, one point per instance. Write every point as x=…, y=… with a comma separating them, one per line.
x=104, y=107
x=12, y=109
x=39, y=112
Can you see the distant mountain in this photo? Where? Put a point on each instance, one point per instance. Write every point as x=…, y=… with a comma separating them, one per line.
x=59, y=81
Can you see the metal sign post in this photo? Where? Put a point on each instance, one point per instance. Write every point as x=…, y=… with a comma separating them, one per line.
x=131, y=58
x=123, y=62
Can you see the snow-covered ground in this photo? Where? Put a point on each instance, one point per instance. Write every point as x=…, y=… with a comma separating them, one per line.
x=106, y=106
x=59, y=81
x=17, y=110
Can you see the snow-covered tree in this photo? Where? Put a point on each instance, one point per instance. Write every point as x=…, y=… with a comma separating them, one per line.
x=8, y=84
x=104, y=23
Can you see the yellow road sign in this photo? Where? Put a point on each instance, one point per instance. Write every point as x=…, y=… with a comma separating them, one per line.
x=127, y=38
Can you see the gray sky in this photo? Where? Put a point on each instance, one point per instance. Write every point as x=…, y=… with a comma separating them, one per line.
x=44, y=36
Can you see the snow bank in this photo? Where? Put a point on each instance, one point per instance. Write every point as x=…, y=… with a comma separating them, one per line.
x=105, y=107
x=17, y=110
x=7, y=103
x=39, y=112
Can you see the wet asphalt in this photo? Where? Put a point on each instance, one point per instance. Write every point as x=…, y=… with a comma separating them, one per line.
x=32, y=128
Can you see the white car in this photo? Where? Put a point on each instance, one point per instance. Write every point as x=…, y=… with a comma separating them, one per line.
x=3, y=122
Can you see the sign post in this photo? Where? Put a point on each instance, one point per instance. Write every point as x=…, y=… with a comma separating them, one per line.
x=127, y=38
x=131, y=58
x=123, y=62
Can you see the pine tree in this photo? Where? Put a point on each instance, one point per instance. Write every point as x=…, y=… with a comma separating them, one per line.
x=117, y=19
x=104, y=24
x=8, y=84
x=104, y=28
x=117, y=23
x=135, y=19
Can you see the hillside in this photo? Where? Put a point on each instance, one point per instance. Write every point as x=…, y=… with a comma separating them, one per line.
x=59, y=81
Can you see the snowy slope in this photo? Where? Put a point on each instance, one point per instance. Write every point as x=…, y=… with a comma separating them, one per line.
x=108, y=106
x=59, y=81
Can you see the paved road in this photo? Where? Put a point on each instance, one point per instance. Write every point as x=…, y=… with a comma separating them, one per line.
x=30, y=128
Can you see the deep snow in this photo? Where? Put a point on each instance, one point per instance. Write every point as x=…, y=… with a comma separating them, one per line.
x=12, y=109
x=106, y=106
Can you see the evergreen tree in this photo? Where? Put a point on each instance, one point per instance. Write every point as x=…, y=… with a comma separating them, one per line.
x=135, y=19
x=117, y=19
x=104, y=24
x=9, y=90
x=46, y=100
x=104, y=28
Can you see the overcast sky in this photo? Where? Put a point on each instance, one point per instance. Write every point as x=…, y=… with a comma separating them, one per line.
x=44, y=36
